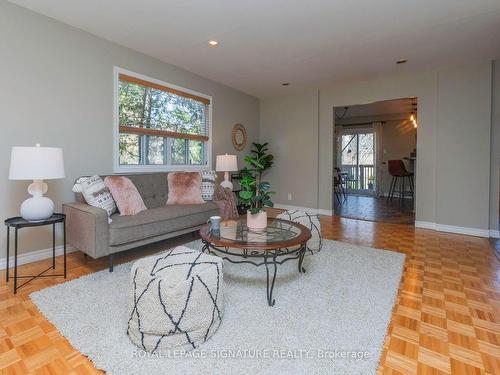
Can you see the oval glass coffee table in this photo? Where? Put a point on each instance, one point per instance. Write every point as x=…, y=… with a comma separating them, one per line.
x=280, y=242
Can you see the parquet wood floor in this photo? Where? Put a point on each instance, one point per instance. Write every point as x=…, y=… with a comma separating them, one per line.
x=446, y=319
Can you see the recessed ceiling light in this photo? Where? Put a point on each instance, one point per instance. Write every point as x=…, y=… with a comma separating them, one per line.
x=402, y=61
x=213, y=43
x=285, y=84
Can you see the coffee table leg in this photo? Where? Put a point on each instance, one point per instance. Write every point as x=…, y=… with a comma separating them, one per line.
x=205, y=247
x=302, y=252
x=270, y=282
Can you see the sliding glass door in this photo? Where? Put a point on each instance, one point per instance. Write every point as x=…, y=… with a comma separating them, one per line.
x=357, y=156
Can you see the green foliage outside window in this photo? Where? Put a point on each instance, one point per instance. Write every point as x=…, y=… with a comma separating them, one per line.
x=141, y=106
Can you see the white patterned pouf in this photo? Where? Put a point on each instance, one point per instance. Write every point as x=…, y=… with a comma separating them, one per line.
x=311, y=222
x=175, y=299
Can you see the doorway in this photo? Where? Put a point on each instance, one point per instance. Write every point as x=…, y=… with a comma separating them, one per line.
x=368, y=139
x=357, y=158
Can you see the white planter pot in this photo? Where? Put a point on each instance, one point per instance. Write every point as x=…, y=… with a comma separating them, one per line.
x=257, y=221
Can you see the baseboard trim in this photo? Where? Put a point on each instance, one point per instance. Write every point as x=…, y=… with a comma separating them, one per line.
x=395, y=196
x=494, y=233
x=322, y=211
x=34, y=256
x=453, y=229
x=425, y=225
x=312, y=211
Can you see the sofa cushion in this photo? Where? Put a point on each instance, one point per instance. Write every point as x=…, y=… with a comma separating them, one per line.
x=208, y=178
x=126, y=196
x=158, y=221
x=152, y=187
x=184, y=188
x=95, y=193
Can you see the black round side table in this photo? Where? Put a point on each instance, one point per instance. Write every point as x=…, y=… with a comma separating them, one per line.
x=18, y=223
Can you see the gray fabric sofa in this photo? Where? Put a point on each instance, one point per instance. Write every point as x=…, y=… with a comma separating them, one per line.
x=89, y=231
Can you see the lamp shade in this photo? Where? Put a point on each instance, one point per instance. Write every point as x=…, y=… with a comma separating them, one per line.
x=36, y=163
x=226, y=163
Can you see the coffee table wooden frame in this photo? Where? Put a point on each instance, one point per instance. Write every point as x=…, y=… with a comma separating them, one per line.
x=259, y=254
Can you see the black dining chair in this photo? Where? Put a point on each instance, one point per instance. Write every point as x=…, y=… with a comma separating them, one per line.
x=339, y=186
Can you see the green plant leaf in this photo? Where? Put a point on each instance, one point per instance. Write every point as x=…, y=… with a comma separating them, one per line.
x=264, y=186
x=254, y=211
x=254, y=162
x=248, y=181
x=245, y=194
x=268, y=203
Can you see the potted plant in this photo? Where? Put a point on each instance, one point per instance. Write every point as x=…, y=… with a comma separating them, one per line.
x=255, y=193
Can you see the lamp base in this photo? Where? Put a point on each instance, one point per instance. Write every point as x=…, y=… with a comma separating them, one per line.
x=226, y=184
x=37, y=208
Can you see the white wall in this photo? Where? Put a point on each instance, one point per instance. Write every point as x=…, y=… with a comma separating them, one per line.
x=463, y=146
x=495, y=152
x=57, y=89
x=453, y=145
x=292, y=131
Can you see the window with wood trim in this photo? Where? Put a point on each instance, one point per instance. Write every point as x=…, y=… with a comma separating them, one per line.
x=160, y=126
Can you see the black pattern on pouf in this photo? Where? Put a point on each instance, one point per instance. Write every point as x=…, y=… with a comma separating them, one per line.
x=309, y=221
x=175, y=300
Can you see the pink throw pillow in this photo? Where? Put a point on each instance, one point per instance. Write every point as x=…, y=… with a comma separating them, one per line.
x=184, y=188
x=127, y=198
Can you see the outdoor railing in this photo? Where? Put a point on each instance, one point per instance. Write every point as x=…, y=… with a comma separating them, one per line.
x=359, y=177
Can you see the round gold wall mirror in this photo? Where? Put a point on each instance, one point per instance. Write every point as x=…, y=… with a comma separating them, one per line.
x=239, y=137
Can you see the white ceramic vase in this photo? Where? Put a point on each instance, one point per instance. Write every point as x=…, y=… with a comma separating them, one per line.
x=257, y=221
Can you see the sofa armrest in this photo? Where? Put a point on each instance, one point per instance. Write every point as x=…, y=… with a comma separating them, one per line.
x=87, y=228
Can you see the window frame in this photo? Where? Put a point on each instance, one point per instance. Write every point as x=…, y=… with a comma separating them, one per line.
x=120, y=168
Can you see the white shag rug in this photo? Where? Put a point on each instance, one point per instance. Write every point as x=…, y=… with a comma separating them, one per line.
x=330, y=320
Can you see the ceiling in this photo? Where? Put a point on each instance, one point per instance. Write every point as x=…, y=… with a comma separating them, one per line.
x=307, y=43
x=386, y=107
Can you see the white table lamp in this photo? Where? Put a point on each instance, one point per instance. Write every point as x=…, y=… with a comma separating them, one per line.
x=226, y=163
x=37, y=164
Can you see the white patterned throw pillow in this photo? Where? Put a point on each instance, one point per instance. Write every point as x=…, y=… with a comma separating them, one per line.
x=96, y=193
x=309, y=221
x=208, y=178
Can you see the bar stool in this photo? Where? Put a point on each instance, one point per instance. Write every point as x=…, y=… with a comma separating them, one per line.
x=398, y=170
